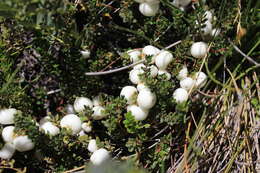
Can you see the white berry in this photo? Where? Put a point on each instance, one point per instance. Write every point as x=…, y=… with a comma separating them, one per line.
x=180, y=95
x=149, y=9
x=200, y=79
x=208, y=15
x=183, y=73
x=163, y=59
x=146, y=99
x=23, y=143
x=92, y=146
x=187, y=83
x=72, y=122
x=7, y=151
x=199, y=49
x=134, y=76
x=86, y=127
x=138, y=113
x=150, y=50
x=164, y=72
x=135, y=55
x=7, y=116
x=142, y=86
x=99, y=112
x=82, y=102
x=50, y=128
x=129, y=93
x=8, y=134
x=153, y=70
x=99, y=156
x=207, y=28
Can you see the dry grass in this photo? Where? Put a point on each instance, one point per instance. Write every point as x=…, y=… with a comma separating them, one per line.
x=227, y=136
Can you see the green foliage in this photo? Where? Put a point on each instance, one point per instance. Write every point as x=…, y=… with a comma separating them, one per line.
x=40, y=44
x=133, y=126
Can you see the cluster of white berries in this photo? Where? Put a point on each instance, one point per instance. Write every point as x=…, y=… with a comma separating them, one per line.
x=148, y=7
x=74, y=123
x=161, y=58
x=208, y=29
x=98, y=155
x=12, y=141
x=187, y=84
x=70, y=121
x=140, y=98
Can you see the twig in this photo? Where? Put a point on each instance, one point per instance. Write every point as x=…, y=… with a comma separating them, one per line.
x=53, y=91
x=160, y=132
x=173, y=44
x=75, y=169
x=243, y=54
x=115, y=70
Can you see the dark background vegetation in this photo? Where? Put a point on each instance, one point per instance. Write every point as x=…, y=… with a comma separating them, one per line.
x=40, y=43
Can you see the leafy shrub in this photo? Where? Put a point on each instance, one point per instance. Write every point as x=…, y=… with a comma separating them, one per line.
x=42, y=71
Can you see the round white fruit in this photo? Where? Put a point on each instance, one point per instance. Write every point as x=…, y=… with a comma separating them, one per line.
x=208, y=15
x=164, y=72
x=96, y=100
x=72, y=122
x=139, y=66
x=142, y=86
x=99, y=112
x=153, y=70
x=50, y=128
x=150, y=50
x=134, y=76
x=99, y=156
x=129, y=93
x=86, y=127
x=199, y=49
x=138, y=113
x=7, y=116
x=207, y=28
x=180, y=95
x=146, y=99
x=135, y=55
x=163, y=59
x=23, y=143
x=149, y=9
x=187, y=83
x=7, y=151
x=200, y=79
x=69, y=109
x=183, y=73
x=8, y=134
x=92, y=146
x=82, y=102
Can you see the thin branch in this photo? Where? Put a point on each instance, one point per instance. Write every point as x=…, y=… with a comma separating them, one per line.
x=173, y=44
x=243, y=54
x=115, y=70
x=53, y=91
